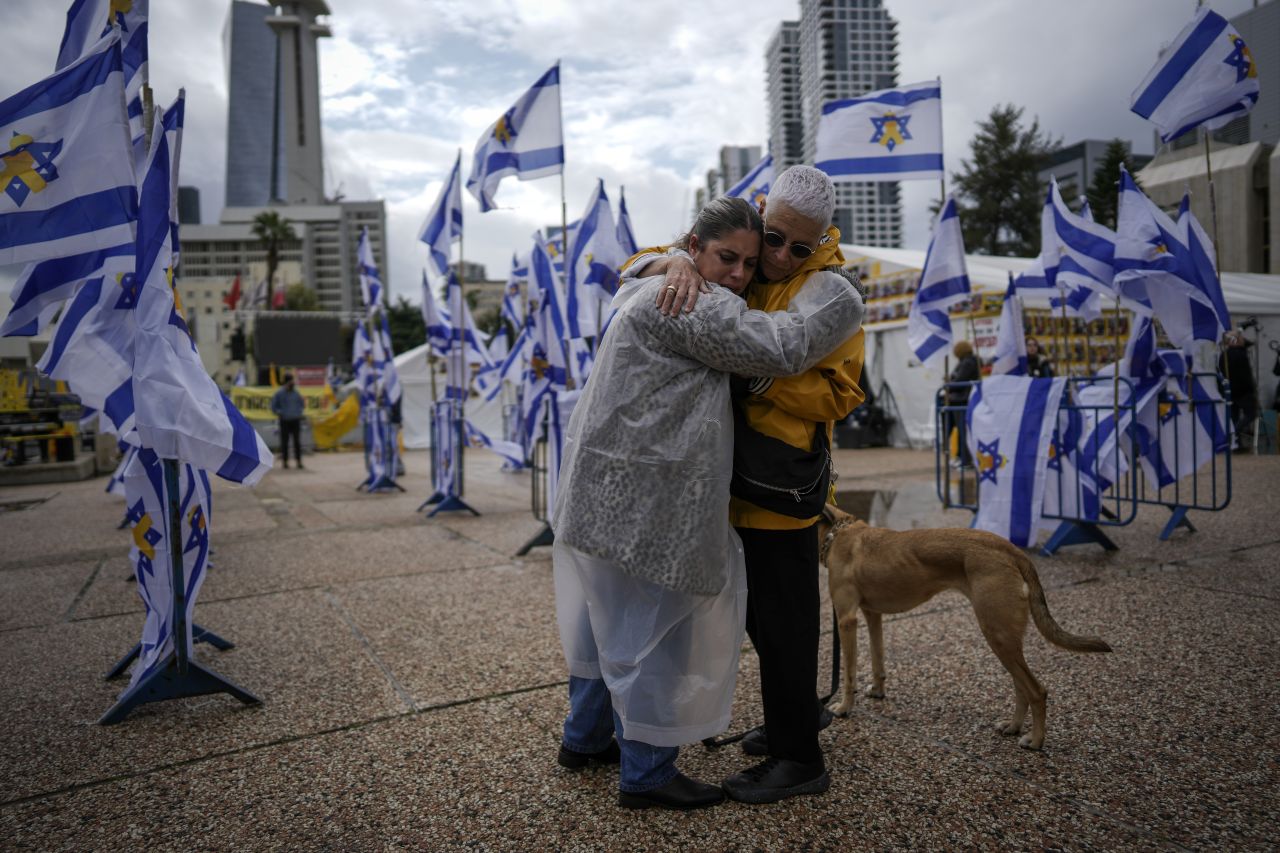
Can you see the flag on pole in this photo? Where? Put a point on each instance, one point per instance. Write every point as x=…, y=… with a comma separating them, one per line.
x=90, y=20
x=180, y=413
x=1206, y=284
x=443, y=225
x=44, y=286
x=626, y=236
x=511, y=452
x=370, y=281
x=890, y=135
x=387, y=371
x=754, y=187
x=944, y=281
x=594, y=258
x=526, y=141
x=517, y=282
x=67, y=182
x=1011, y=423
x=1207, y=76
x=438, y=328
x=1011, y=341
x=232, y=299
x=151, y=553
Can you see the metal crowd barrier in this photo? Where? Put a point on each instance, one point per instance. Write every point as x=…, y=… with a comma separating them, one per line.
x=1102, y=481
x=539, y=469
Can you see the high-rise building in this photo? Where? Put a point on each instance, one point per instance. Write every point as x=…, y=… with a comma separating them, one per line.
x=273, y=105
x=782, y=86
x=735, y=162
x=849, y=48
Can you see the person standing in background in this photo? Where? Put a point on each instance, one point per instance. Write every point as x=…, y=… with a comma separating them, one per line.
x=288, y=406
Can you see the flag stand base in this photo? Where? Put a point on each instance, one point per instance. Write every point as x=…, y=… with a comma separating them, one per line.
x=169, y=681
x=452, y=503
x=545, y=536
x=435, y=498
x=1077, y=533
x=382, y=485
x=198, y=635
x=1178, y=519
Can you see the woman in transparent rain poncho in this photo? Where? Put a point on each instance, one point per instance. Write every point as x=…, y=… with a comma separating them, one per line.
x=649, y=576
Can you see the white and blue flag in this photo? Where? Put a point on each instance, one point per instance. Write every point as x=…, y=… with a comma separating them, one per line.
x=1011, y=341
x=511, y=452
x=944, y=281
x=90, y=20
x=179, y=412
x=890, y=135
x=370, y=281
x=592, y=270
x=67, y=184
x=443, y=226
x=44, y=286
x=526, y=141
x=1203, y=276
x=513, y=295
x=387, y=372
x=1206, y=77
x=754, y=187
x=1011, y=425
x=439, y=330
x=626, y=236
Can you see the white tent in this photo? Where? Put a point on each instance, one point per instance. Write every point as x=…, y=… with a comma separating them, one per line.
x=891, y=364
x=416, y=405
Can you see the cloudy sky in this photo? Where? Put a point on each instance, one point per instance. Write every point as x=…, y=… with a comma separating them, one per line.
x=650, y=92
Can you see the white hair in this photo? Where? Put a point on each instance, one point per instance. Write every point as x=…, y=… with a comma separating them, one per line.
x=807, y=191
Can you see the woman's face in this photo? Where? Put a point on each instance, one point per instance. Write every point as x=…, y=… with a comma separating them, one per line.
x=1033, y=348
x=778, y=263
x=729, y=261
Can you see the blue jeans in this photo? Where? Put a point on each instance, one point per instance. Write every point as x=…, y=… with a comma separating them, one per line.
x=592, y=722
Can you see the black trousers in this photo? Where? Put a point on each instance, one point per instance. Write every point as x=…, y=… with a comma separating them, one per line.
x=291, y=428
x=783, y=623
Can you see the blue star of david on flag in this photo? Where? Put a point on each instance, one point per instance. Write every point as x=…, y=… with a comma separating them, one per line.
x=891, y=130
x=989, y=460
x=27, y=166
x=1240, y=59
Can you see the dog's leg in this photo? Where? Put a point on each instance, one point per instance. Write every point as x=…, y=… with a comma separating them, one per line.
x=1003, y=631
x=875, y=635
x=849, y=649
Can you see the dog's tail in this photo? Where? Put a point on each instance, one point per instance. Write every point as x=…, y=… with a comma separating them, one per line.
x=1051, y=630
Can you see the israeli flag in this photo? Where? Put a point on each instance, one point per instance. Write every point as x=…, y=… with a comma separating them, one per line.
x=526, y=141
x=439, y=331
x=517, y=282
x=626, y=236
x=66, y=175
x=387, y=366
x=1070, y=491
x=754, y=187
x=511, y=452
x=593, y=267
x=241, y=380
x=499, y=345
x=512, y=367
x=1206, y=285
x=944, y=281
x=1011, y=424
x=443, y=226
x=364, y=370
x=115, y=485
x=179, y=412
x=151, y=553
x=890, y=135
x=1207, y=76
x=1011, y=341
x=44, y=286
x=370, y=281
x=1189, y=420
x=90, y=20
x=1077, y=253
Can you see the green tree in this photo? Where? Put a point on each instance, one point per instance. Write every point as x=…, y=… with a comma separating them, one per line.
x=299, y=297
x=998, y=191
x=488, y=320
x=1103, y=192
x=407, y=328
x=272, y=230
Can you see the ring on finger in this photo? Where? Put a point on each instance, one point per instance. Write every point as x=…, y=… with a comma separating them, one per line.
x=671, y=287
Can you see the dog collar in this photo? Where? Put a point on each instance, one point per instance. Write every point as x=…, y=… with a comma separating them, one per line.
x=831, y=537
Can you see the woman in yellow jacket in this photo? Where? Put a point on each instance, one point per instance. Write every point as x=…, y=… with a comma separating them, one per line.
x=782, y=476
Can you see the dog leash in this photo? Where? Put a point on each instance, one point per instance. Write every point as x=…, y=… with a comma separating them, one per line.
x=716, y=742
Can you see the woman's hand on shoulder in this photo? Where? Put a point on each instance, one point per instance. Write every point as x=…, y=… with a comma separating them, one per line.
x=681, y=289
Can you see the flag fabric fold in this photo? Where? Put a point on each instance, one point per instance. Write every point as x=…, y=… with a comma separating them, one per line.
x=592, y=268
x=944, y=281
x=526, y=141
x=754, y=186
x=443, y=225
x=1011, y=341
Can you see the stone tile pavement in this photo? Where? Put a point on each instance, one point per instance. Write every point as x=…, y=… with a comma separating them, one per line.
x=413, y=688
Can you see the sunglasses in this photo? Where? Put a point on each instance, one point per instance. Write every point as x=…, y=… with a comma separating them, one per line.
x=774, y=240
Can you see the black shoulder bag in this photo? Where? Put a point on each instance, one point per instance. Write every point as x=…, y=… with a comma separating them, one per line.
x=775, y=476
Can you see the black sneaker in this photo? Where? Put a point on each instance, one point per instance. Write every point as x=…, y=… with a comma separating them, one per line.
x=571, y=760
x=776, y=779
x=756, y=742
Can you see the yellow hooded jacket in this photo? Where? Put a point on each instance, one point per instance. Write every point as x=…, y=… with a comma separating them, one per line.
x=790, y=408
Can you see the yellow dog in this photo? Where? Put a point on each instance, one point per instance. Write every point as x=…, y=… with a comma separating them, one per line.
x=882, y=571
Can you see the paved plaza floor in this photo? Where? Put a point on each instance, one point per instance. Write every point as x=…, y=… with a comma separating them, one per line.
x=414, y=688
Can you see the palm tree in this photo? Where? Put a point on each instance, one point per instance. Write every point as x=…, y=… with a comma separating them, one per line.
x=272, y=229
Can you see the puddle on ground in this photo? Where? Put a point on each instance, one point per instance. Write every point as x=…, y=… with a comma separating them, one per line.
x=904, y=508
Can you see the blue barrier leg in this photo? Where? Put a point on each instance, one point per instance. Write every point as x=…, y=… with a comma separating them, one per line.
x=451, y=504
x=435, y=498
x=1077, y=533
x=545, y=536
x=1178, y=519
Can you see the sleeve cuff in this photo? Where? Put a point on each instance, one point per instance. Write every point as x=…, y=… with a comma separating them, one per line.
x=757, y=387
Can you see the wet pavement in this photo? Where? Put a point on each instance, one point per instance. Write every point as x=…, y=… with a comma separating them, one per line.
x=413, y=687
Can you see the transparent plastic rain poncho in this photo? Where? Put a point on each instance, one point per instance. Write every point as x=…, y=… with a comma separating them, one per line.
x=650, y=578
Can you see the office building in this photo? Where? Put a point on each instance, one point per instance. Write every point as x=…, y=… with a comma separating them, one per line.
x=782, y=88
x=1075, y=165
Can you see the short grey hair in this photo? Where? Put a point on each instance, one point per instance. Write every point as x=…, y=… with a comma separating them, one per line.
x=807, y=191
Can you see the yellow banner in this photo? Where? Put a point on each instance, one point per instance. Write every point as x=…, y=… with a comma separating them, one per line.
x=254, y=402
x=329, y=431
